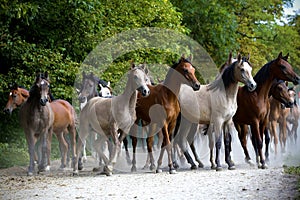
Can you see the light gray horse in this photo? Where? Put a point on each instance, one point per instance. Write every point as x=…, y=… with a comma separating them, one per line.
x=108, y=115
x=215, y=106
x=36, y=117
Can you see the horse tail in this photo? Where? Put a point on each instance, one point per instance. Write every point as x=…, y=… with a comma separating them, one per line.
x=178, y=120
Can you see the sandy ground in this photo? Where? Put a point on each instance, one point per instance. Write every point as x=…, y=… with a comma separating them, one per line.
x=245, y=182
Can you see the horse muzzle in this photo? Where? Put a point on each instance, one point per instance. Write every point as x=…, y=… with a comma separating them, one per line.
x=7, y=111
x=251, y=86
x=144, y=91
x=296, y=80
x=196, y=86
x=43, y=102
x=82, y=99
x=289, y=104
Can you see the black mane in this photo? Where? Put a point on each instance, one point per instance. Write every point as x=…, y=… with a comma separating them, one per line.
x=260, y=76
x=228, y=75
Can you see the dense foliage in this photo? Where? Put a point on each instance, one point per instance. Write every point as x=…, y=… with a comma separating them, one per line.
x=56, y=36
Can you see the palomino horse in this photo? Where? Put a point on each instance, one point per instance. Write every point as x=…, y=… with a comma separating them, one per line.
x=253, y=107
x=108, y=115
x=293, y=118
x=36, y=117
x=92, y=86
x=279, y=110
x=64, y=120
x=216, y=106
x=161, y=108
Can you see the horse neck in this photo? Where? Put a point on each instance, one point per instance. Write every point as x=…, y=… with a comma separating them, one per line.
x=129, y=96
x=173, y=82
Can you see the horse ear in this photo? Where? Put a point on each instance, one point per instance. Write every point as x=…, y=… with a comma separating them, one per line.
x=108, y=84
x=190, y=58
x=15, y=86
x=229, y=57
x=132, y=65
x=83, y=74
x=182, y=57
x=286, y=57
x=46, y=75
x=248, y=57
x=280, y=55
x=239, y=57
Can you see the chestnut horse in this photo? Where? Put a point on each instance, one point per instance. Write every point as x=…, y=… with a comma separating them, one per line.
x=64, y=120
x=36, y=117
x=253, y=107
x=161, y=108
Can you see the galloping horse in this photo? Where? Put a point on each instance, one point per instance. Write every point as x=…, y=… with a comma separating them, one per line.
x=108, y=115
x=161, y=108
x=279, y=110
x=64, y=120
x=253, y=107
x=216, y=106
x=36, y=117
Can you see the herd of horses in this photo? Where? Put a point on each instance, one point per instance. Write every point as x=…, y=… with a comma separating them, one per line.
x=176, y=109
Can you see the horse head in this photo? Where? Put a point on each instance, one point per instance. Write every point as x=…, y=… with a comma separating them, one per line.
x=280, y=92
x=16, y=97
x=105, y=90
x=185, y=68
x=243, y=71
x=283, y=70
x=42, y=82
x=88, y=88
x=141, y=79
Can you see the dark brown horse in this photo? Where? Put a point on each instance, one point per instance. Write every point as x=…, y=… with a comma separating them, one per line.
x=36, y=117
x=161, y=108
x=64, y=120
x=253, y=107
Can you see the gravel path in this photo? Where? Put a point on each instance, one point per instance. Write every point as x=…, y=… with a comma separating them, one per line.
x=243, y=183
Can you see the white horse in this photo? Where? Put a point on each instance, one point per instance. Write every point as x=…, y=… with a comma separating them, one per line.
x=108, y=115
x=215, y=106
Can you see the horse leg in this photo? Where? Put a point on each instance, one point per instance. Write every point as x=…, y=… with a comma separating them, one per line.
x=182, y=140
x=218, y=137
x=227, y=142
x=44, y=141
x=63, y=146
x=274, y=134
x=31, y=146
x=134, y=144
x=284, y=133
x=211, y=146
x=149, y=141
x=242, y=133
x=257, y=131
x=267, y=142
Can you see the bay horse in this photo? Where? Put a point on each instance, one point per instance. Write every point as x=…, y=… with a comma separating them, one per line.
x=64, y=120
x=253, y=107
x=279, y=109
x=161, y=108
x=215, y=105
x=36, y=118
x=108, y=115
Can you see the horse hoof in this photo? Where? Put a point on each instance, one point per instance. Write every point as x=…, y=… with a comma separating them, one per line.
x=194, y=167
x=159, y=171
x=152, y=167
x=264, y=166
x=175, y=165
x=84, y=159
x=96, y=169
x=213, y=167
x=219, y=169
x=172, y=171
x=75, y=173
x=201, y=165
x=133, y=169
x=80, y=166
x=250, y=162
x=232, y=167
x=29, y=173
x=108, y=173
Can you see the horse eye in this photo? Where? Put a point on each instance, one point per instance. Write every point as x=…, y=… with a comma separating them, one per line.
x=242, y=70
x=282, y=67
x=185, y=71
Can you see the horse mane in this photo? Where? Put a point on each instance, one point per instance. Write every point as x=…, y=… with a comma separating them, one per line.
x=260, y=76
x=227, y=76
x=177, y=63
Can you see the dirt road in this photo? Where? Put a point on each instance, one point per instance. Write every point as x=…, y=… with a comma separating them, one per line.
x=243, y=183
